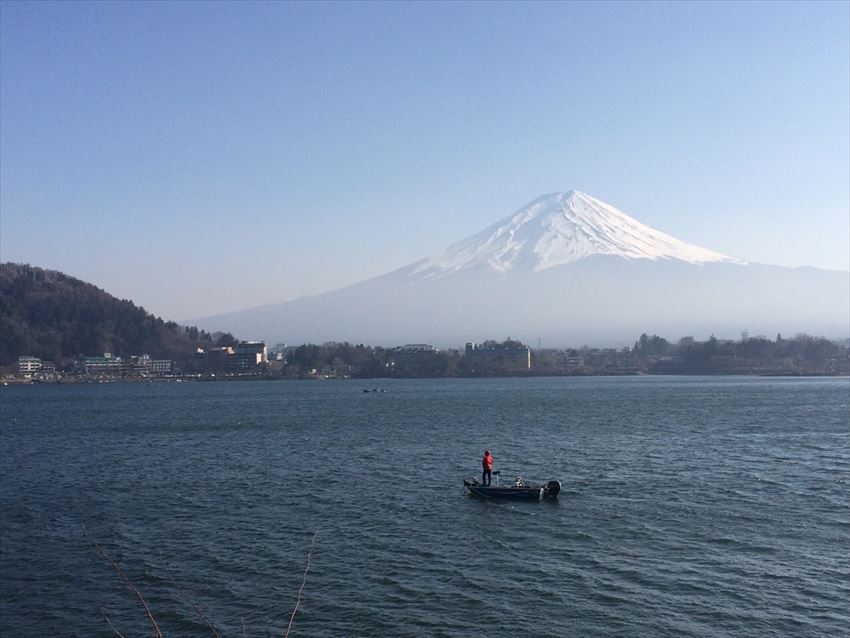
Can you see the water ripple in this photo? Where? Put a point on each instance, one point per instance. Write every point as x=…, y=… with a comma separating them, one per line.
x=690, y=507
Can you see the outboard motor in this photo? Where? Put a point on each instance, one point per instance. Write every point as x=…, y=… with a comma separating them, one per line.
x=552, y=489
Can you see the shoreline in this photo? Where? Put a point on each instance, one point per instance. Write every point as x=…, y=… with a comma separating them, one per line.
x=265, y=378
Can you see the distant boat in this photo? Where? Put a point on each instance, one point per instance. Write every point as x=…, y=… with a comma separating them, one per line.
x=519, y=490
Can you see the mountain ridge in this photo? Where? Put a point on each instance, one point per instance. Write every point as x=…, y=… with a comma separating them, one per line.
x=567, y=268
x=57, y=317
x=560, y=228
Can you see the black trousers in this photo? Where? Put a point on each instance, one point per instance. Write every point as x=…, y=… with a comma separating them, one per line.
x=486, y=476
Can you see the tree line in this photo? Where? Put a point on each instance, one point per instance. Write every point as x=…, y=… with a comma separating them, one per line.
x=802, y=354
x=651, y=354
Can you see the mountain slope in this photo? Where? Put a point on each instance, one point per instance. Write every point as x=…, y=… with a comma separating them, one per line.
x=558, y=229
x=55, y=317
x=567, y=269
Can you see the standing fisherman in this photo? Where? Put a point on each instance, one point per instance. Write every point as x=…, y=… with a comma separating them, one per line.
x=487, y=466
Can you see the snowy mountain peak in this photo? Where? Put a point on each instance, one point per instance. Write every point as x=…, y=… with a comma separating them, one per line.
x=557, y=229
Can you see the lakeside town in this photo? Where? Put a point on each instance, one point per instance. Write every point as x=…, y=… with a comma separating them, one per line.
x=58, y=329
x=241, y=360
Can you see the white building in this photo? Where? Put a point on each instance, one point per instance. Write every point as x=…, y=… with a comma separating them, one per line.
x=161, y=367
x=28, y=365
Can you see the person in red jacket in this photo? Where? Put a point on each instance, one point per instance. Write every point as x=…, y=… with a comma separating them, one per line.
x=487, y=466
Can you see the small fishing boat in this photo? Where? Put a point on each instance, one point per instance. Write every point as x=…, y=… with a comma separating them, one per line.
x=519, y=490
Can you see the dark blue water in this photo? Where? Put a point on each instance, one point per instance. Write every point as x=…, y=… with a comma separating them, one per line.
x=691, y=507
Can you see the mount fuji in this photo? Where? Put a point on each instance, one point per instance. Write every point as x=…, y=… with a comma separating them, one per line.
x=567, y=269
x=559, y=229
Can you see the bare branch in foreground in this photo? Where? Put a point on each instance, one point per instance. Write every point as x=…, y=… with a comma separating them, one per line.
x=117, y=633
x=186, y=597
x=130, y=584
x=301, y=589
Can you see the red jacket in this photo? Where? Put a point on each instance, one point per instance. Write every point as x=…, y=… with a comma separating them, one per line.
x=487, y=461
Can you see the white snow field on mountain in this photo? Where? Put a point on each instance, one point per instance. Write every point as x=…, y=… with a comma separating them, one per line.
x=561, y=228
x=567, y=269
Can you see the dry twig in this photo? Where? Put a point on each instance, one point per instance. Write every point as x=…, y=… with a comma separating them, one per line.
x=186, y=597
x=301, y=589
x=118, y=633
x=130, y=584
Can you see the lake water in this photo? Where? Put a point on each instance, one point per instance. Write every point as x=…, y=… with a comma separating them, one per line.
x=690, y=507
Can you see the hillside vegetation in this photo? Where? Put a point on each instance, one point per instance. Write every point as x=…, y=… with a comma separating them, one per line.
x=55, y=317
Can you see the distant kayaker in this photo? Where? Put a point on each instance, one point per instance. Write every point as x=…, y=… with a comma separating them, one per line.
x=487, y=467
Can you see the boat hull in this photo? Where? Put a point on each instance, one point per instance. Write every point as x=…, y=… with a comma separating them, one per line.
x=519, y=491
x=510, y=493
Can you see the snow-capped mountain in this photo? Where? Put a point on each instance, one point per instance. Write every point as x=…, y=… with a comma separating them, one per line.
x=558, y=229
x=567, y=269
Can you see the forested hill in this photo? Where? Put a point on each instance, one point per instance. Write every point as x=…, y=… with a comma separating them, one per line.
x=55, y=317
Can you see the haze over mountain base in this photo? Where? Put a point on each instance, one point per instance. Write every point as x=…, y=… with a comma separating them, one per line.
x=596, y=301
x=569, y=270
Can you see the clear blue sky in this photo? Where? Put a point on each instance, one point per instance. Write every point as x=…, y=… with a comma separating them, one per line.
x=204, y=157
